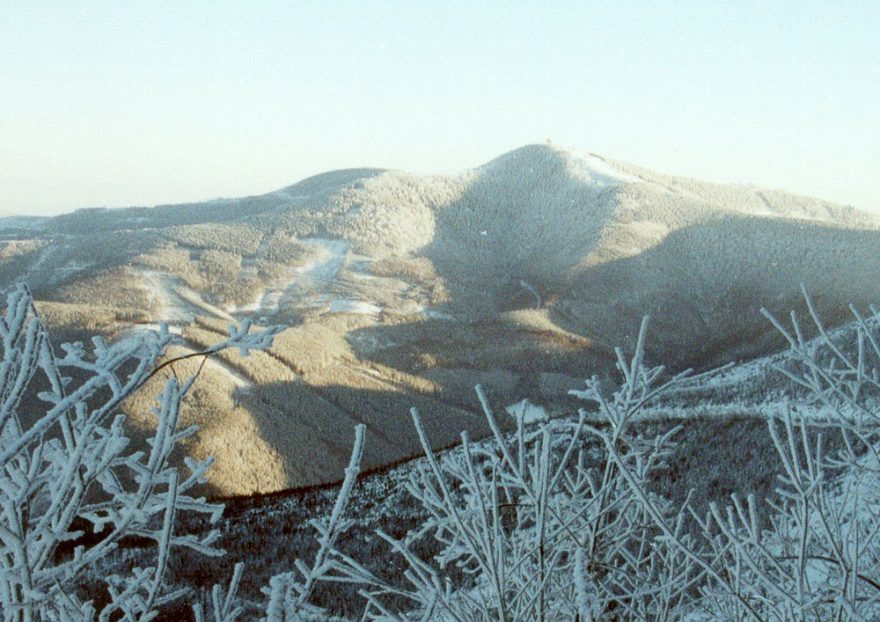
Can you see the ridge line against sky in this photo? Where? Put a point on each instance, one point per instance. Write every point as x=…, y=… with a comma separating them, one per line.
x=114, y=104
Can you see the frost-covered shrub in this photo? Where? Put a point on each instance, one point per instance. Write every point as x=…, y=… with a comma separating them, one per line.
x=820, y=556
x=72, y=464
x=813, y=552
x=539, y=524
x=531, y=528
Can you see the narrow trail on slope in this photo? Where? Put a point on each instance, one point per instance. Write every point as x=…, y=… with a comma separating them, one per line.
x=307, y=285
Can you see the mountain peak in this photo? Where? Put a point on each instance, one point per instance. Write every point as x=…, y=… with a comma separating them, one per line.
x=547, y=158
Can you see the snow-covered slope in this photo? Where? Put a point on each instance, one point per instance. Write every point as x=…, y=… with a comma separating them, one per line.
x=521, y=274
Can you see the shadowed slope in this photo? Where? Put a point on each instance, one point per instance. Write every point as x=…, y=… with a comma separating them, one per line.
x=704, y=286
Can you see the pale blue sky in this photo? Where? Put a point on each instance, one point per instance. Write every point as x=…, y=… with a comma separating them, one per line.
x=124, y=103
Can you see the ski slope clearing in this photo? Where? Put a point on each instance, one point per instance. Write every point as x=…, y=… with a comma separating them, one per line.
x=178, y=304
x=314, y=285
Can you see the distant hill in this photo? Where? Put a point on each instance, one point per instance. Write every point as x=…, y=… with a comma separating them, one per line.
x=404, y=290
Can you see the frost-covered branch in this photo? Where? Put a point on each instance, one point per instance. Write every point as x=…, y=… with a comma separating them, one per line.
x=289, y=592
x=73, y=460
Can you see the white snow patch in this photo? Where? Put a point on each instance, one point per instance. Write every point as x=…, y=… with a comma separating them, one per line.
x=326, y=267
x=178, y=304
x=532, y=413
x=437, y=315
x=651, y=229
x=172, y=309
x=410, y=307
x=594, y=170
x=364, y=276
x=310, y=285
x=302, y=283
x=763, y=211
x=197, y=301
x=230, y=373
x=346, y=305
x=156, y=326
x=252, y=307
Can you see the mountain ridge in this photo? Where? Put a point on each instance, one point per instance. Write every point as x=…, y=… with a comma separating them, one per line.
x=400, y=289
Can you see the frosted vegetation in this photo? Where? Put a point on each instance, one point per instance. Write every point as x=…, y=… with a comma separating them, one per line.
x=555, y=521
x=74, y=466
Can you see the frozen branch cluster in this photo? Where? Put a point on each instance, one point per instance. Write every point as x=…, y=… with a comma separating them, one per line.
x=531, y=527
x=819, y=554
x=556, y=521
x=65, y=460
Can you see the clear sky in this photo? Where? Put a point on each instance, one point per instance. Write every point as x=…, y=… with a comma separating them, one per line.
x=139, y=103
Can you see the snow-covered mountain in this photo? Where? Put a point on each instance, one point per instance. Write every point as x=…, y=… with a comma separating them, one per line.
x=404, y=290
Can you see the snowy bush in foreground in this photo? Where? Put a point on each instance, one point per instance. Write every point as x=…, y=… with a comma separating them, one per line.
x=72, y=461
x=820, y=557
x=531, y=528
x=540, y=524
